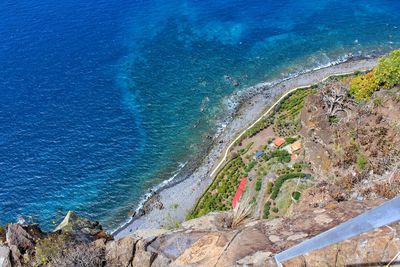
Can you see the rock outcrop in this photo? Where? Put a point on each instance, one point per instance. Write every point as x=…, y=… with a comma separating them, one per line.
x=72, y=223
x=5, y=256
x=255, y=243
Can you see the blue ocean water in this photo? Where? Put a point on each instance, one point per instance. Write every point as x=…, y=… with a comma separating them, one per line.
x=100, y=100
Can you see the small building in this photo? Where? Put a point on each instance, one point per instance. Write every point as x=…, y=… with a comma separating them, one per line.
x=259, y=154
x=295, y=146
x=293, y=157
x=239, y=191
x=279, y=141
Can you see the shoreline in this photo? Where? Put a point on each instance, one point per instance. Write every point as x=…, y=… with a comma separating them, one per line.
x=178, y=198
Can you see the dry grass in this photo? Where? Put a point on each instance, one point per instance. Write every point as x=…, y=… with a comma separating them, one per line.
x=389, y=189
x=242, y=211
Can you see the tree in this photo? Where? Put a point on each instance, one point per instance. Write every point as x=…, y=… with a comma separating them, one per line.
x=335, y=99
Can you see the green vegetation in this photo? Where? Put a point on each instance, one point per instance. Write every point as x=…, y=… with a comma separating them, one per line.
x=290, y=140
x=258, y=185
x=245, y=149
x=174, y=206
x=333, y=119
x=361, y=161
x=258, y=127
x=281, y=179
x=171, y=223
x=267, y=206
x=50, y=248
x=297, y=167
x=219, y=195
x=275, y=209
x=287, y=120
x=296, y=195
x=386, y=74
x=281, y=155
x=269, y=187
x=250, y=166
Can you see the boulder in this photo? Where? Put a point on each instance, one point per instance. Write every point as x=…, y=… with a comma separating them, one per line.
x=20, y=237
x=15, y=256
x=143, y=258
x=120, y=253
x=211, y=222
x=148, y=233
x=72, y=223
x=5, y=256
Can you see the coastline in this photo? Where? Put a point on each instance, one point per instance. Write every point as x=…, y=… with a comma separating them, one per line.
x=179, y=198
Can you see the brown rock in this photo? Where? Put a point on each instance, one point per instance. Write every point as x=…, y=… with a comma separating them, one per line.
x=72, y=223
x=5, y=254
x=204, y=252
x=120, y=253
x=15, y=256
x=258, y=259
x=19, y=237
x=211, y=222
x=143, y=258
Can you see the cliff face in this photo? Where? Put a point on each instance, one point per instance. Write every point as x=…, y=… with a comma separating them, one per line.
x=338, y=158
x=206, y=241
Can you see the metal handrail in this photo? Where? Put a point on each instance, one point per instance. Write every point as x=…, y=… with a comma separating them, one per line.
x=387, y=213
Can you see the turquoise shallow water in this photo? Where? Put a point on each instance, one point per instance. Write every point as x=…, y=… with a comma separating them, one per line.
x=102, y=100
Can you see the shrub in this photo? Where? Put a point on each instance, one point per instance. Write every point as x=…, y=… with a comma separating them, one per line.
x=290, y=140
x=296, y=195
x=361, y=161
x=281, y=179
x=362, y=87
x=250, y=166
x=385, y=74
x=267, y=206
x=51, y=248
x=281, y=155
x=80, y=256
x=269, y=187
x=275, y=209
x=258, y=185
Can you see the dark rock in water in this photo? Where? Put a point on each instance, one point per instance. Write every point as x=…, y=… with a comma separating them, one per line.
x=23, y=237
x=72, y=223
x=235, y=83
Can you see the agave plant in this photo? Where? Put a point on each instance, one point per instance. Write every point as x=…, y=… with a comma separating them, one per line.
x=242, y=211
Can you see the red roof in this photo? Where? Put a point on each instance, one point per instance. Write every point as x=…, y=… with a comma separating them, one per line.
x=239, y=191
x=279, y=141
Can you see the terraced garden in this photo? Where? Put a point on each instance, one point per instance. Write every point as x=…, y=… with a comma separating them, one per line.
x=219, y=195
x=286, y=121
